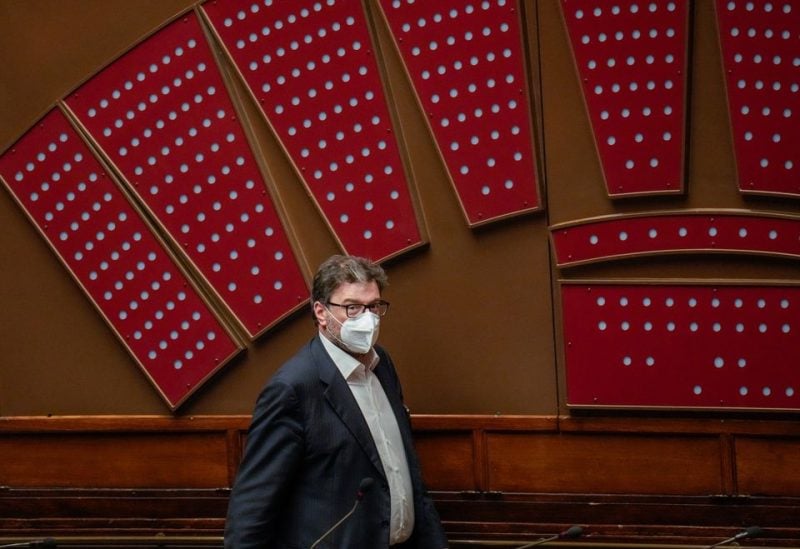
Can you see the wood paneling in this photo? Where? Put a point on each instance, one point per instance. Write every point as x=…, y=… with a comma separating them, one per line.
x=493, y=478
x=608, y=464
x=132, y=460
x=449, y=460
x=768, y=466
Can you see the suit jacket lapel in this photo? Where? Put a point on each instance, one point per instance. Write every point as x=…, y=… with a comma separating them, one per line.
x=344, y=404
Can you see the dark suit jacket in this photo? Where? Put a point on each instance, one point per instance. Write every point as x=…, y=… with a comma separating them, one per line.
x=308, y=448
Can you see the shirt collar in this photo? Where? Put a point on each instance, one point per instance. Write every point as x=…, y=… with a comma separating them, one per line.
x=346, y=363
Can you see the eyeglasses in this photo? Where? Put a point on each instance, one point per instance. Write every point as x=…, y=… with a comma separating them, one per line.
x=354, y=309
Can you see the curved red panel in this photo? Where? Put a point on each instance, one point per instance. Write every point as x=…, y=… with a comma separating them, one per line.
x=604, y=239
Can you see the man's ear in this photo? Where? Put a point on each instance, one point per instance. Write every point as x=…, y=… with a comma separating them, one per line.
x=319, y=314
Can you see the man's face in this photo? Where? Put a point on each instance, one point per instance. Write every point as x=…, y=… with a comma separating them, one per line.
x=360, y=293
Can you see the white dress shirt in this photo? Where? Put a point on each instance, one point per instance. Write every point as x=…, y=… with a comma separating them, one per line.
x=382, y=423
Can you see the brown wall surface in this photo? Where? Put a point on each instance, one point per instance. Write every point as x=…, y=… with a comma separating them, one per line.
x=474, y=326
x=470, y=312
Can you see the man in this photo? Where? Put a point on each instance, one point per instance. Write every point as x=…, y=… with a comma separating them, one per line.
x=330, y=429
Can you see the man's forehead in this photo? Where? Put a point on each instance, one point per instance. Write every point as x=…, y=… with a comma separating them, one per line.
x=357, y=291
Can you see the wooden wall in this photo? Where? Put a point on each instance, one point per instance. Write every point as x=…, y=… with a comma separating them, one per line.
x=493, y=478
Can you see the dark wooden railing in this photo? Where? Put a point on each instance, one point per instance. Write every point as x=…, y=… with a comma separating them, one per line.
x=497, y=481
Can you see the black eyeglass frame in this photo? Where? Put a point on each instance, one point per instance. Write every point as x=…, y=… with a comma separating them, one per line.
x=352, y=310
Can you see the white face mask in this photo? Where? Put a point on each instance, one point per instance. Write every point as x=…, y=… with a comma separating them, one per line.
x=359, y=334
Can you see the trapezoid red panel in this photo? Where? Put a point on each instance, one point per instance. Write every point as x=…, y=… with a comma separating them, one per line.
x=162, y=115
x=761, y=57
x=631, y=58
x=312, y=70
x=467, y=65
x=123, y=268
